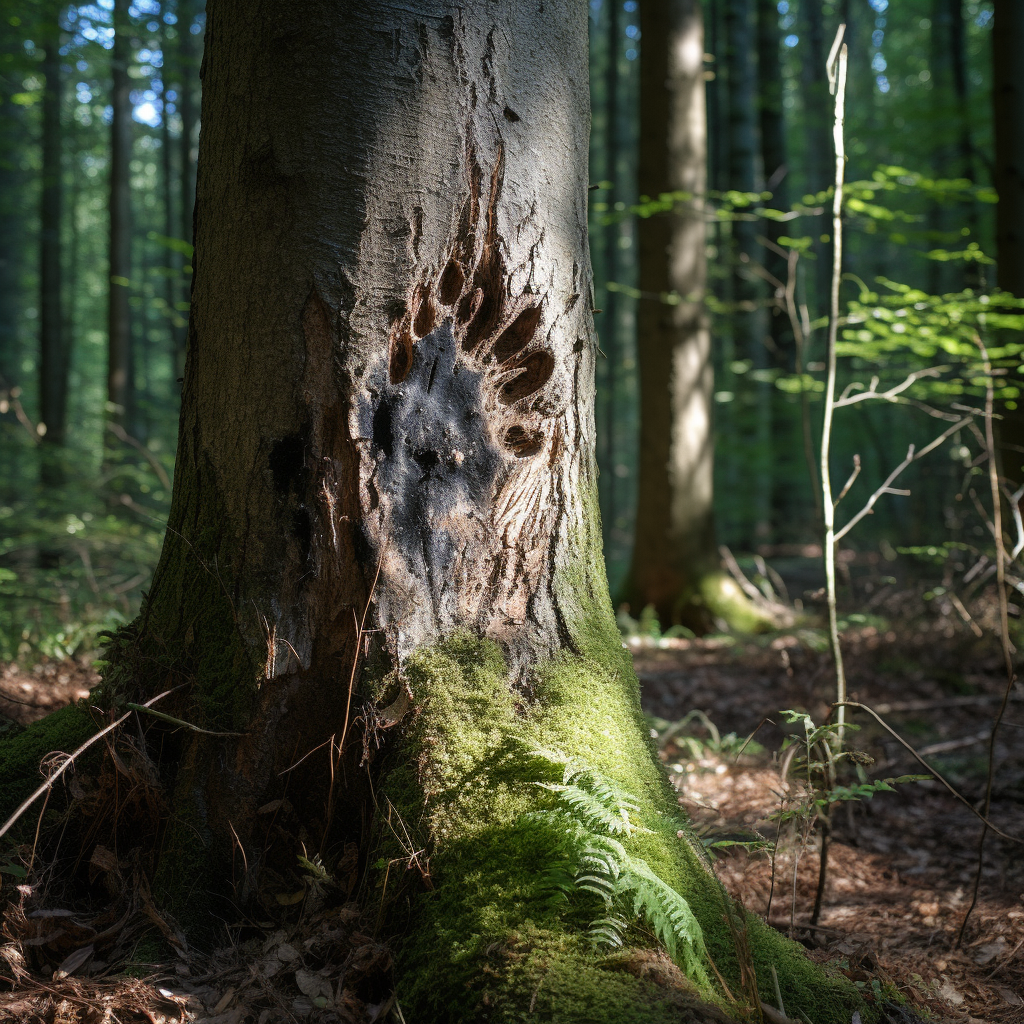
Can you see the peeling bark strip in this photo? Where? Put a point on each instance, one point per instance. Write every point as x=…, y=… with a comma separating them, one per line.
x=460, y=437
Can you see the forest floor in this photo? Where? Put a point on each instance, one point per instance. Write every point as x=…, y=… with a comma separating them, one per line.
x=901, y=865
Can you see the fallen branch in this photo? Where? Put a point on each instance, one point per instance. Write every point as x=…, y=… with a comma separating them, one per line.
x=48, y=784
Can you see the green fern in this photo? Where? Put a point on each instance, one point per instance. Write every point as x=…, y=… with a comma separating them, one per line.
x=591, y=811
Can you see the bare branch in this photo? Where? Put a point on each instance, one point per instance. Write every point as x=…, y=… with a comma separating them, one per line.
x=849, y=483
x=70, y=759
x=887, y=396
x=886, y=487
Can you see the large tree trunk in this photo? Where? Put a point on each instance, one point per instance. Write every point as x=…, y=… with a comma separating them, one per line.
x=119, y=323
x=53, y=363
x=388, y=401
x=1008, y=110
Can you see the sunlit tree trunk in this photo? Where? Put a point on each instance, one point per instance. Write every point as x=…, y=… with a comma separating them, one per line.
x=53, y=365
x=388, y=406
x=675, y=562
x=119, y=323
x=1008, y=110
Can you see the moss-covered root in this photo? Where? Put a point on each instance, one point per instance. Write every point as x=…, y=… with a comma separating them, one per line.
x=723, y=599
x=473, y=865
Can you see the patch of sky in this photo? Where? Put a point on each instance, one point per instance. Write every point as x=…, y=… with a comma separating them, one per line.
x=878, y=62
x=629, y=6
x=882, y=82
x=633, y=31
x=791, y=40
x=878, y=6
x=632, y=54
x=783, y=6
x=983, y=18
x=877, y=37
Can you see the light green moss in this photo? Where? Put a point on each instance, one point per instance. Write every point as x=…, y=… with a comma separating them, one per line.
x=485, y=936
x=722, y=597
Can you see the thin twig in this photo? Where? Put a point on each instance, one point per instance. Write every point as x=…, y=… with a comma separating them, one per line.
x=849, y=483
x=178, y=721
x=886, y=396
x=359, y=641
x=48, y=784
x=932, y=771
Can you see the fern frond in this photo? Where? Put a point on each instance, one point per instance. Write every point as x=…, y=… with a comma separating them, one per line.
x=608, y=930
x=591, y=809
x=665, y=911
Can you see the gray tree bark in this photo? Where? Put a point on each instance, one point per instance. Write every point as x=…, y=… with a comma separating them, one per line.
x=674, y=547
x=675, y=564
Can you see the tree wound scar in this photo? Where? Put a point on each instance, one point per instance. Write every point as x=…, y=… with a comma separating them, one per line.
x=455, y=432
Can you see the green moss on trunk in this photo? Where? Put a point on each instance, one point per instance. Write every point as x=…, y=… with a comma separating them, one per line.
x=465, y=855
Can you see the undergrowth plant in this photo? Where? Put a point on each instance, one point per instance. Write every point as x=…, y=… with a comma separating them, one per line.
x=813, y=758
x=595, y=816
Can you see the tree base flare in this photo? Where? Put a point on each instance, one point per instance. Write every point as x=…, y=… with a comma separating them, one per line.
x=472, y=862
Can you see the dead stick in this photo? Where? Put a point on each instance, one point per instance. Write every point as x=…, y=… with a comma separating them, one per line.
x=48, y=784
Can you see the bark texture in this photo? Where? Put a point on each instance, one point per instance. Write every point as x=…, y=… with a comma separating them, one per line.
x=389, y=381
x=388, y=404
x=674, y=546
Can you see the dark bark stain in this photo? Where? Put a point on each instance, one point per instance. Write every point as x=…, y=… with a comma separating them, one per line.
x=287, y=463
x=457, y=427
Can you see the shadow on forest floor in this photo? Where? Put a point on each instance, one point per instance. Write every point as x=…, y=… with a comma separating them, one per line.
x=901, y=865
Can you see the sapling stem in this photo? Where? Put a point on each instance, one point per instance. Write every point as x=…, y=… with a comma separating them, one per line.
x=837, y=78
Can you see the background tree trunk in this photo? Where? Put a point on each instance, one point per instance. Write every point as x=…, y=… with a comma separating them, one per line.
x=119, y=321
x=753, y=414
x=53, y=363
x=675, y=563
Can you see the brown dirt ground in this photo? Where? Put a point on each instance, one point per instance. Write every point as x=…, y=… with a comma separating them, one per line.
x=901, y=865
